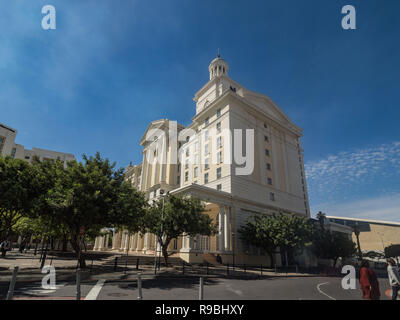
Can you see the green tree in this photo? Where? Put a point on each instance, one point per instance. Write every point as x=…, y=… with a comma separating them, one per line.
x=89, y=196
x=288, y=232
x=332, y=245
x=18, y=192
x=178, y=216
x=393, y=251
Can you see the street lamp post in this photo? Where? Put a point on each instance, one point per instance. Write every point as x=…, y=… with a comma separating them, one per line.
x=357, y=233
x=162, y=231
x=233, y=251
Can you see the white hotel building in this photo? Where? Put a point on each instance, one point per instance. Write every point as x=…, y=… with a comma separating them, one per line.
x=275, y=184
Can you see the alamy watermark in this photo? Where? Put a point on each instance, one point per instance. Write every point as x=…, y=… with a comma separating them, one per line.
x=208, y=146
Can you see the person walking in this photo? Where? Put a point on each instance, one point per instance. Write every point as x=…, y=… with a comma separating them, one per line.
x=4, y=246
x=369, y=282
x=394, y=277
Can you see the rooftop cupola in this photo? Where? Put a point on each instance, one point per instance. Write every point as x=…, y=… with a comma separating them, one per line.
x=218, y=67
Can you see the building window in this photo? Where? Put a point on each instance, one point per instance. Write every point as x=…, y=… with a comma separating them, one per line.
x=219, y=187
x=178, y=180
x=268, y=166
x=27, y=158
x=187, y=152
x=206, y=148
x=196, y=172
x=187, y=164
x=272, y=196
x=206, y=136
x=267, y=152
x=196, y=159
x=265, y=125
x=218, y=173
x=186, y=176
x=219, y=142
x=187, y=139
x=219, y=157
x=269, y=181
x=206, y=163
x=266, y=138
x=219, y=127
x=218, y=113
x=206, y=178
x=206, y=121
x=14, y=150
x=2, y=142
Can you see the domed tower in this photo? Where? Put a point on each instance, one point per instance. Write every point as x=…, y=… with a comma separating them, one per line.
x=218, y=67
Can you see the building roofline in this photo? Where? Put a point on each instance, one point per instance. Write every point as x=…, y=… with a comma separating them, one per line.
x=365, y=220
x=7, y=128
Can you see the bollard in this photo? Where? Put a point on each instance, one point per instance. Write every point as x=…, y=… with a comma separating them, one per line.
x=261, y=270
x=183, y=267
x=78, y=284
x=137, y=264
x=227, y=269
x=201, y=289
x=10, y=292
x=244, y=268
x=139, y=279
x=275, y=267
x=91, y=266
x=207, y=268
x=115, y=263
x=126, y=264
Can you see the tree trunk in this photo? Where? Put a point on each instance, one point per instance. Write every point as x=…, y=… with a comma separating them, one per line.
x=165, y=254
x=64, y=244
x=76, y=246
x=272, y=260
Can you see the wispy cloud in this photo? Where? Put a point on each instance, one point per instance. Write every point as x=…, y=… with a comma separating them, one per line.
x=380, y=208
x=363, y=182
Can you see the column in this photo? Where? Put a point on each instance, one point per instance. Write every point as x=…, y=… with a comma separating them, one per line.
x=221, y=229
x=126, y=242
x=122, y=245
x=227, y=228
x=139, y=240
x=101, y=243
x=146, y=242
x=106, y=242
x=114, y=241
x=96, y=243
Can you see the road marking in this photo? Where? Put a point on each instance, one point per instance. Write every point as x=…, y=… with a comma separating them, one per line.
x=93, y=294
x=38, y=291
x=238, y=292
x=320, y=291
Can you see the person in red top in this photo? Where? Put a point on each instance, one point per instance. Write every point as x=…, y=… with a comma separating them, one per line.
x=369, y=282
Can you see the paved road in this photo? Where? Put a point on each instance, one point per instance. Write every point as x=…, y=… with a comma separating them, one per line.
x=297, y=288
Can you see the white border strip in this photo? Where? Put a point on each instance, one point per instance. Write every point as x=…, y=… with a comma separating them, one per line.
x=93, y=294
x=320, y=291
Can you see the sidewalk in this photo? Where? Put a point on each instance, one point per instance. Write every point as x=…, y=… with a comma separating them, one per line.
x=103, y=268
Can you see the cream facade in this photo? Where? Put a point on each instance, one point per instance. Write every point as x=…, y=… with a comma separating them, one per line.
x=375, y=235
x=8, y=147
x=241, y=155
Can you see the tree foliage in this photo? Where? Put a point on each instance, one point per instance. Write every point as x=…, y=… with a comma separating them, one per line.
x=181, y=215
x=290, y=233
x=392, y=251
x=332, y=245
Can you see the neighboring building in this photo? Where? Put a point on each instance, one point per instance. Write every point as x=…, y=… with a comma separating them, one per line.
x=375, y=235
x=276, y=182
x=8, y=147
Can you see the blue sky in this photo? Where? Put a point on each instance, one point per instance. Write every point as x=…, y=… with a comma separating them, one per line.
x=111, y=67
